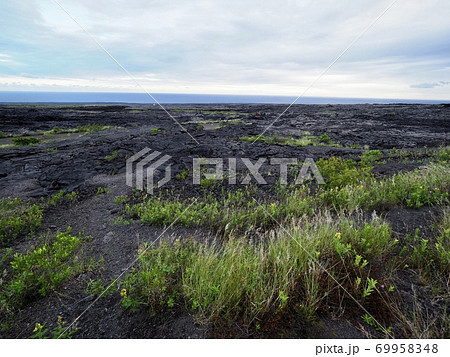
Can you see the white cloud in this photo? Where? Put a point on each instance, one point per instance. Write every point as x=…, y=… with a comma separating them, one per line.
x=430, y=85
x=246, y=47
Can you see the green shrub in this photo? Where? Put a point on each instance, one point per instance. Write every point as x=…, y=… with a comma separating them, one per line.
x=56, y=129
x=371, y=157
x=40, y=269
x=61, y=331
x=338, y=172
x=18, y=218
x=431, y=254
x=240, y=279
x=25, y=141
x=305, y=140
x=234, y=211
x=114, y=155
x=324, y=138
x=156, y=281
x=443, y=155
x=413, y=189
x=183, y=175
x=370, y=239
x=88, y=128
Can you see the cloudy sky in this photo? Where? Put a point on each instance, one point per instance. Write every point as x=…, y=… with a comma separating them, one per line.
x=228, y=47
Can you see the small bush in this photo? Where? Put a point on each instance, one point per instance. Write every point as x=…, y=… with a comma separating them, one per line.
x=114, y=155
x=238, y=279
x=18, y=218
x=305, y=140
x=413, y=189
x=41, y=269
x=88, y=128
x=371, y=157
x=235, y=211
x=25, y=141
x=156, y=282
x=183, y=175
x=338, y=172
x=324, y=138
x=56, y=130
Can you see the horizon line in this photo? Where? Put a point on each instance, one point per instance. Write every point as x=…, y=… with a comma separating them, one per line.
x=360, y=100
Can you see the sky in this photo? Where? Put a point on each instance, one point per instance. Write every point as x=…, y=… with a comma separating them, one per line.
x=228, y=47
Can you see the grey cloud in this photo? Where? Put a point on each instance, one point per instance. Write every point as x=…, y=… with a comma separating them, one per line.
x=430, y=85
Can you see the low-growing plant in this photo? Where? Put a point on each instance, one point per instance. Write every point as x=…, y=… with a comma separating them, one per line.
x=24, y=141
x=56, y=198
x=114, y=155
x=61, y=331
x=413, y=189
x=183, y=175
x=18, y=218
x=371, y=157
x=305, y=140
x=97, y=288
x=238, y=279
x=121, y=199
x=71, y=196
x=101, y=190
x=233, y=211
x=40, y=269
x=56, y=129
x=156, y=283
x=324, y=138
x=88, y=128
x=338, y=172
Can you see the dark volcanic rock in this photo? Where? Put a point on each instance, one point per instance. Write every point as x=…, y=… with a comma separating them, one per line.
x=38, y=170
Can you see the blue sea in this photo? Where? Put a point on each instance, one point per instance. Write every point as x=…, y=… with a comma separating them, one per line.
x=166, y=98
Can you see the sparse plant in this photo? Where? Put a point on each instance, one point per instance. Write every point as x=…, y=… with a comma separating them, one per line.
x=18, y=218
x=24, y=141
x=61, y=331
x=41, y=269
x=114, y=155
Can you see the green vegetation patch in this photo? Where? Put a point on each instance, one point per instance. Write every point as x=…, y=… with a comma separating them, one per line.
x=89, y=128
x=305, y=140
x=208, y=112
x=234, y=211
x=18, y=218
x=23, y=141
x=243, y=280
x=412, y=189
x=338, y=172
x=224, y=121
x=40, y=269
x=114, y=155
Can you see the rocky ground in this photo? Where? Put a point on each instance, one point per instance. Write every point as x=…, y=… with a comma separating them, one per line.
x=82, y=162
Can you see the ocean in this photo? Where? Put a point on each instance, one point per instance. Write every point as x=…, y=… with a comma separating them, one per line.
x=168, y=98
